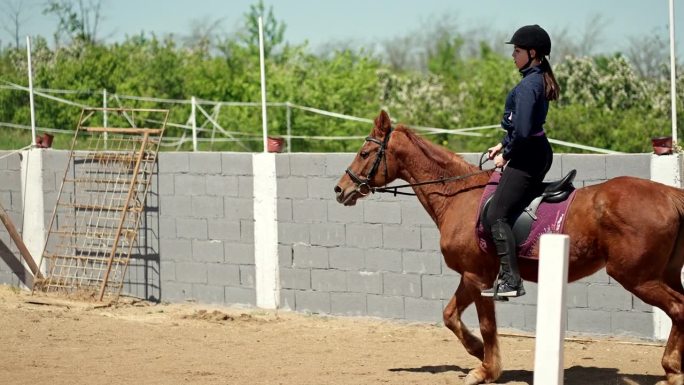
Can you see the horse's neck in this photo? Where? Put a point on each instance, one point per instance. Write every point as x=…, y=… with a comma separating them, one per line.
x=417, y=165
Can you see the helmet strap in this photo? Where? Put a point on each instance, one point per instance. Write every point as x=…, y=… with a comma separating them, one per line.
x=529, y=60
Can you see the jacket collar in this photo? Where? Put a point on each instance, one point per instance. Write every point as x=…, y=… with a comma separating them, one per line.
x=530, y=70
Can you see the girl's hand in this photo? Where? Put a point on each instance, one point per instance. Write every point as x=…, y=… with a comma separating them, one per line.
x=494, y=151
x=499, y=161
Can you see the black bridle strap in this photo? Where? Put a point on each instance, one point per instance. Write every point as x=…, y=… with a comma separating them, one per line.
x=376, y=164
x=394, y=189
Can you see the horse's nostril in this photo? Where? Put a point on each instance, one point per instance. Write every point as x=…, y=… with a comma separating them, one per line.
x=338, y=189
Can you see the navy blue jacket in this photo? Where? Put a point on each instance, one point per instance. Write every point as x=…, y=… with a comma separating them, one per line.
x=524, y=112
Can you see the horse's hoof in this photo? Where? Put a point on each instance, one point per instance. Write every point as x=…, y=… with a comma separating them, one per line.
x=473, y=379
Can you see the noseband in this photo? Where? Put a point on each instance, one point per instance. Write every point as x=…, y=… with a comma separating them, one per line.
x=362, y=184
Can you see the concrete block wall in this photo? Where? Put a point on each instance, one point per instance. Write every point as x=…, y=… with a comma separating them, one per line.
x=379, y=258
x=11, y=270
x=206, y=227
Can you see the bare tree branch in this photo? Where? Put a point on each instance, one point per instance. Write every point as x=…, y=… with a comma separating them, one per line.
x=203, y=32
x=78, y=20
x=648, y=55
x=13, y=11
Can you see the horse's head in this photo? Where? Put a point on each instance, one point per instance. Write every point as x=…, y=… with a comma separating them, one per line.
x=373, y=165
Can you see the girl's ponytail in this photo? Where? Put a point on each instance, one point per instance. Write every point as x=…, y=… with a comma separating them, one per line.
x=551, y=88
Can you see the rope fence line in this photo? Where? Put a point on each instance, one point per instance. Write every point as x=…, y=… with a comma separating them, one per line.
x=238, y=137
x=7, y=155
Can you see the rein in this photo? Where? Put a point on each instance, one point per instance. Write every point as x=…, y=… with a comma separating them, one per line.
x=393, y=189
x=363, y=184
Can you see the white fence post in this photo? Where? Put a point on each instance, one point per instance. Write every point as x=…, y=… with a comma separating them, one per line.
x=193, y=118
x=551, y=309
x=33, y=220
x=266, y=231
x=665, y=169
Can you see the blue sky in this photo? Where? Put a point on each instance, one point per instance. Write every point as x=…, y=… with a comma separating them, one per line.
x=369, y=21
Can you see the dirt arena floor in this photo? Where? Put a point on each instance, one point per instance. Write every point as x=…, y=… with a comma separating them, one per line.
x=139, y=343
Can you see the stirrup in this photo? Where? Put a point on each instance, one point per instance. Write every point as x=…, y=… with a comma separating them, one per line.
x=501, y=291
x=506, y=290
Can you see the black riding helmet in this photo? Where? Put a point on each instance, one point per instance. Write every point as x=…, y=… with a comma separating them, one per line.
x=532, y=37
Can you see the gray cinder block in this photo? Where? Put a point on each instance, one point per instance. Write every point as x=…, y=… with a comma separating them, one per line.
x=396, y=237
x=364, y=282
x=312, y=301
x=385, y=306
x=327, y=234
x=364, y=235
x=209, y=293
x=406, y=285
x=205, y=162
x=420, y=309
x=347, y=258
x=310, y=256
x=351, y=304
x=328, y=280
x=307, y=164
x=236, y=164
x=207, y=251
x=299, y=279
x=240, y=295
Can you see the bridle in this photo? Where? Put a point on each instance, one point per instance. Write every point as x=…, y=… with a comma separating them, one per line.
x=362, y=184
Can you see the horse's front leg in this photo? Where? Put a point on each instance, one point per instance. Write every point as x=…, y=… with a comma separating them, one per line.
x=467, y=292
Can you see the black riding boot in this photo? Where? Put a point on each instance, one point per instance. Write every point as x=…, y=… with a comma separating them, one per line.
x=508, y=283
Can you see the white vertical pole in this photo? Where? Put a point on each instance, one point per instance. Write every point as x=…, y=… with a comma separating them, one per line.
x=264, y=122
x=104, y=115
x=673, y=75
x=265, y=209
x=551, y=309
x=30, y=79
x=289, y=126
x=194, y=124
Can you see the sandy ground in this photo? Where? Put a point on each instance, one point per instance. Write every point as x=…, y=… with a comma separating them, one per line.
x=140, y=343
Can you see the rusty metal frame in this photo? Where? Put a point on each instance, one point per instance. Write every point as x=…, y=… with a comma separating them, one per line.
x=94, y=229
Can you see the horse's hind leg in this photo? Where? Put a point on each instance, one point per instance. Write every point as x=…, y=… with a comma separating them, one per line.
x=672, y=358
x=490, y=368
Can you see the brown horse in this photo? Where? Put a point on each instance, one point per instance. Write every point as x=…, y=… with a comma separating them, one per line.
x=632, y=227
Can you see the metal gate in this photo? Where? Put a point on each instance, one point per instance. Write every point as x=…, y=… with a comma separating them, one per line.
x=95, y=223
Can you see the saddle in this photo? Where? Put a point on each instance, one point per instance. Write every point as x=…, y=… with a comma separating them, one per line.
x=551, y=192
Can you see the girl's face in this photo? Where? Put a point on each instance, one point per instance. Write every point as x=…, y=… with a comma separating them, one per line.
x=520, y=56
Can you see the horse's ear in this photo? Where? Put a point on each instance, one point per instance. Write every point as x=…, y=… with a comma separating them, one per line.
x=383, y=122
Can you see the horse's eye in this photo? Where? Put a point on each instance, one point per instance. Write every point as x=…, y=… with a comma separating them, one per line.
x=364, y=154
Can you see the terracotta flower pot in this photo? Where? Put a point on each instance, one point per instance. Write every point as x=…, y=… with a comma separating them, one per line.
x=44, y=141
x=47, y=140
x=662, y=145
x=275, y=144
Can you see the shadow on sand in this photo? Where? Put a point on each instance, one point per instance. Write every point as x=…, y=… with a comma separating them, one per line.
x=576, y=375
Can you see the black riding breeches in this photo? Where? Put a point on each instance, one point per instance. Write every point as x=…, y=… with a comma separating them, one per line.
x=520, y=181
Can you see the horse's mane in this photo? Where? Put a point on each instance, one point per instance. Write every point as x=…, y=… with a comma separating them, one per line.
x=443, y=157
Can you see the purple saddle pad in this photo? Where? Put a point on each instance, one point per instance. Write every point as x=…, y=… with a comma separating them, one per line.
x=550, y=219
